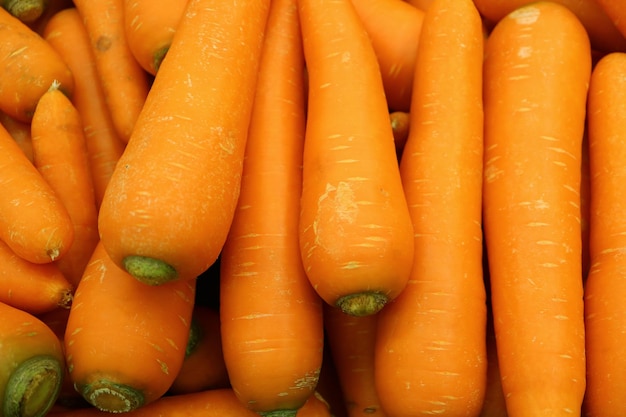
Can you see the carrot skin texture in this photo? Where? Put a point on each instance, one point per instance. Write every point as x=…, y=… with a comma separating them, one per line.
x=604, y=289
x=174, y=192
x=355, y=230
x=537, y=69
x=430, y=346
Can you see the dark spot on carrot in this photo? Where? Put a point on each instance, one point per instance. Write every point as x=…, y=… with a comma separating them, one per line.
x=103, y=43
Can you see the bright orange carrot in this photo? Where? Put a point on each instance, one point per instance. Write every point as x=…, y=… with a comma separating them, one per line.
x=273, y=342
x=124, y=82
x=430, y=346
x=125, y=341
x=170, y=203
x=29, y=66
x=394, y=28
x=537, y=69
x=605, y=318
x=66, y=33
x=20, y=132
x=356, y=236
x=420, y=4
x=149, y=27
x=60, y=154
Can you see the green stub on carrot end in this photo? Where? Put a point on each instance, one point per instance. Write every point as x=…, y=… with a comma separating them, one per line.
x=33, y=387
x=25, y=10
x=278, y=413
x=111, y=397
x=362, y=304
x=149, y=270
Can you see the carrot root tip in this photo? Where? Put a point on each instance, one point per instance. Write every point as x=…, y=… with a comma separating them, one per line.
x=149, y=270
x=25, y=10
x=111, y=397
x=362, y=304
x=33, y=387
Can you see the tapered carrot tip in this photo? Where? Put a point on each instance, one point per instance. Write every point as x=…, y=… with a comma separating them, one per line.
x=149, y=270
x=111, y=397
x=33, y=387
x=362, y=304
x=279, y=413
x=25, y=10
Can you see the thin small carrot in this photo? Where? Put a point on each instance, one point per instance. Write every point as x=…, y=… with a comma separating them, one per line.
x=356, y=237
x=430, y=345
x=537, y=70
x=400, y=125
x=66, y=33
x=605, y=318
x=170, y=202
x=125, y=341
x=20, y=132
x=60, y=154
x=273, y=342
x=29, y=66
x=32, y=364
x=149, y=26
x=394, y=28
x=124, y=82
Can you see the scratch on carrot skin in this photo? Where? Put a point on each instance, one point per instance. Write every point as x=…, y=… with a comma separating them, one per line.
x=164, y=367
x=172, y=343
x=17, y=52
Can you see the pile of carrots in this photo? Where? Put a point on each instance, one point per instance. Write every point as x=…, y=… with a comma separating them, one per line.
x=309, y=208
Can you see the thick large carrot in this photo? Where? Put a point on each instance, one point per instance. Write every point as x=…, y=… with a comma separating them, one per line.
x=356, y=233
x=605, y=318
x=125, y=341
x=60, y=154
x=67, y=34
x=149, y=26
x=430, y=345
x=29, y=66
x=537, y=69
x=124, y=82
x=31, y=364
x=273, y=342
x=171, y=200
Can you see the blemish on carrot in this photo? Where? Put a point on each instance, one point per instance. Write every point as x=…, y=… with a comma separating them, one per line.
x=103, y=43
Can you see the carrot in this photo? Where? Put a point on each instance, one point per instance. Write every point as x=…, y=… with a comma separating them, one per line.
x=203, y=367
x=125, y=341
x=420, y=4
x=20, y=132
x=430, y=346
x=394, y=28
x=603, y=34
x=605, y=319
x=52, y=8
x=356, y=237
x=60, y=154
x=315, y=406
x=26, y=11
x=29, y=66
x=170, y=203
x=149, y=27
x=585, y=197
x=351, y=341
x=32, y=364
x=273, y=342
x=124, y=83
x=66, y=33
x=537, y=69
x=400, y=123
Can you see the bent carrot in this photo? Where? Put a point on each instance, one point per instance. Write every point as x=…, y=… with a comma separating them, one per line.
x=273, y=342
x=149, y=27
x=60, y=154
x=153, y=323
x=123, y=80
x=171, y=200
x=430, y=346
x=537, y=69
x=356, y=237
x=67, y=34
x=32, y=364
x=605, y=319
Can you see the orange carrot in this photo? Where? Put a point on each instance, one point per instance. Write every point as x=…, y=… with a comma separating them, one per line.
x=356, y=236
x=125, y=341
x=537, y=69
x=26, y=11
x=149, y=27
x=585, y=197
x=420, y=4
x=67, y=34
x=171, y=200
x=52, y=8
x=124, y=82
x=20, y=132
x=273, y=342
x=430, y=346
x=60, y=154
x=32, y=364
x=605, y=319
x=315, y=406
x=29, y=66
x=603, y=34
x=394, y=28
